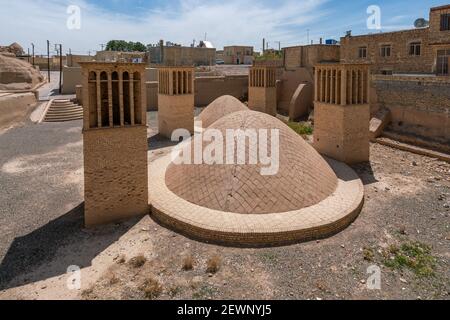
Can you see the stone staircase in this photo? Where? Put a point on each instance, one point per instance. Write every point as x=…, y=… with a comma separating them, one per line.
x=63, y=110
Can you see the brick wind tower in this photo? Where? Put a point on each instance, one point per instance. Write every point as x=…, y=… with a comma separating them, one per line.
x=262, y=92
x=115, y=141
x=342, y=111
x=175, y=99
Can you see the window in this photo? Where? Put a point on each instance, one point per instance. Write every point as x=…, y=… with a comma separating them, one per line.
x=414, y=49
x=445, y=22
x=385, y=51
x=442, y=62
x=362, y=52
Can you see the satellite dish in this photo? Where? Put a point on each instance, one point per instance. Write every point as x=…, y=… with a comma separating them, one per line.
x=421, y=23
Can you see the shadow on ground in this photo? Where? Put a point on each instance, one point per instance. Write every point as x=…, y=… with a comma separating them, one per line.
x=57, y=245
x=365, y=172
x=158, y=141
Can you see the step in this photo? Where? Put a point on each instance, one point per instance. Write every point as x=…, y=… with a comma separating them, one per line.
x=56, y=116
x=64, y=109
x=63, y=105
x=64, y=118
x=76, y=113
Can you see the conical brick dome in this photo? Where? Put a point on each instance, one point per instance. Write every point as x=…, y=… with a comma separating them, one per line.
x=219, y=108
x=304, y=178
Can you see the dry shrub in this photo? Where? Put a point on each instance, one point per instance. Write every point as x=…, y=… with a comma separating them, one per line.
x=121, y=259
x=213, y=264
x=112, y=278
x=188, y=263
x=151, y=288
x=138, y=261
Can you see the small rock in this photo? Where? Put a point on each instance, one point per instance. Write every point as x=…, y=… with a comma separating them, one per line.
x=342, y=246
x=210, y=275
x=446, y=206
x=319, y=299
x=403, y=280
x=252, y=270
x=387, y=189
x=44, y=287
x=414, y=164
x=363, y=281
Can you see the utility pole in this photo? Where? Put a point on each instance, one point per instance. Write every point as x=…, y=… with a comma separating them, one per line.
x=279, y=45
x=307, y=36
x=102, y=46
x=60, y=65
x=264, y=46
x=33, y=52
x=28, y=55
x=48, y=59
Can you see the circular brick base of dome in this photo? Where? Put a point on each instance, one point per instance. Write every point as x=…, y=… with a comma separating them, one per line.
x=319, y=221
x=310, y=198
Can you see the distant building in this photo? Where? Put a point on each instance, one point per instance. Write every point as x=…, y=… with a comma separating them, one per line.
x=238, y=55
x=121, y=56
x=423, y=50
x=177, y=55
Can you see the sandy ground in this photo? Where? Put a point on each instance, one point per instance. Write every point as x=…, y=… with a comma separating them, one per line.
x=42, y=234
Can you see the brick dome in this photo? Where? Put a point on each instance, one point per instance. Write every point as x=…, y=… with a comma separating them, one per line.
x=17, y=74
x=303, y=180
x=220, y=107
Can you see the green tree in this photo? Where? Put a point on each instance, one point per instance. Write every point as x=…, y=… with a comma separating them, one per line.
x=122, y=45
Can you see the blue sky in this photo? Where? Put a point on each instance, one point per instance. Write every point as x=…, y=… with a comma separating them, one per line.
x=225, y=22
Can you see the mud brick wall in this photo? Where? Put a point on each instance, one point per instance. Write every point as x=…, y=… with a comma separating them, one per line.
x=116, y=176
x=419, y=105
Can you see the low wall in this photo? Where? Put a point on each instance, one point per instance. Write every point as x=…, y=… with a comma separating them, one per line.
x=152, y=95
x=207, y=89
x=15, y=108
x=71, y=78
x=420, y=105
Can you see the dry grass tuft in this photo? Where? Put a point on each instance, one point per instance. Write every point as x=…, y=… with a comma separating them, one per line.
x=138, y=261
x=121, y=259
x=188, y=263
x=151, y=288
x=213, y=264
x=112, y=278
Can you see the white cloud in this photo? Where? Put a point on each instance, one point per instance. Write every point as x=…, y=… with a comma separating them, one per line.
x=225, y=22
